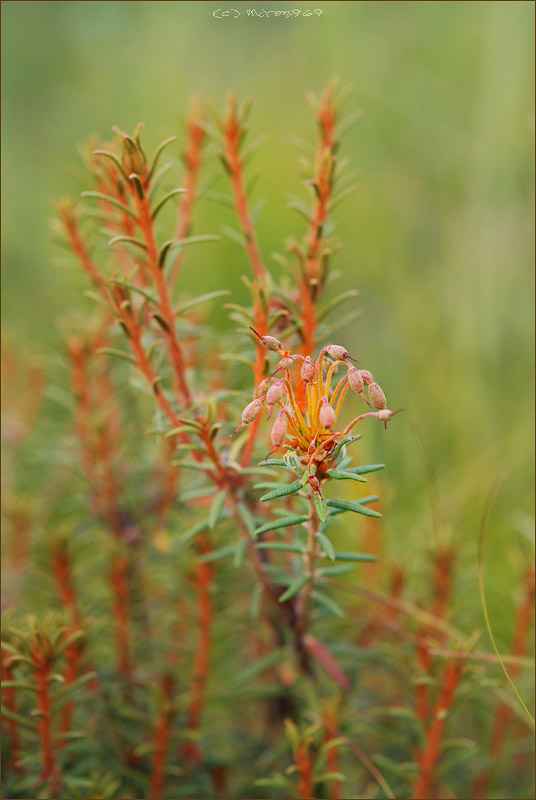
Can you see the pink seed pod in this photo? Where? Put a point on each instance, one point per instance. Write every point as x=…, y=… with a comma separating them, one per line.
x=327, y=414
x=339, y=353
x=251, y=411
x=285, y=363
x=275, y=393
x=279, y=430
x=307, y=370
x=355, y=380
x=384, y=415
x=262, y=388
x=376, y=396
x=366, y=375
x=270, y=342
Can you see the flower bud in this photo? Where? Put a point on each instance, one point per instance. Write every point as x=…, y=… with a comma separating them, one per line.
x=337, y=352
x=275, y=393
x=307, y=370
x=279, y=430
x=355, y=379
x=251, y=411
x=327, y=414
x=366, y=375
x=376, y=396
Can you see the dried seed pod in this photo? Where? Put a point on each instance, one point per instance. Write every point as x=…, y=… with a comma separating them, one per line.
x=279, y=430
x=355, y=380
x=262, y=388
x=275, y=393
x=384, y=415
x=270, y=342
x=307, y=370
x=285, y=363
x=251, y=411
x=339, y=353
x=376, y=396
x=327, y=415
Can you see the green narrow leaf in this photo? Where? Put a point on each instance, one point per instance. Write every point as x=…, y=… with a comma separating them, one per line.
x=134, y=288
x=161, y=203
x=216, y=508
x=6, y=712
x=188, y=240
x=294, y=588
x=320, y=507
x=340, y=556
x=344, y=475
x=366, y=468
x=111, y=351
x=240, y=553
x=255, y=606
x=327, y=546
x=127, y=240
x=218, y=554
x=247, y=518
x=280, y=523
x=286, y=548
x=112, y=200
x=204, y=298
x=337, y=301
x=340, y=569
x=158, y=153
x=350, y=505
x=290, y=488
x=328, y=603
x=199, y=528
x=201, y=466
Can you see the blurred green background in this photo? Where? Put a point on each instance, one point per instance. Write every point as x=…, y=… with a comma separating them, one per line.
x=438, y=236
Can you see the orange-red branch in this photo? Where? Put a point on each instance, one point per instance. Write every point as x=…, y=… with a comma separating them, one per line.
x=432, y=748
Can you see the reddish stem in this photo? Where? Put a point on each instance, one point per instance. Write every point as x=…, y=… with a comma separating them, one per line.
x=42, y=674
x=192, y=159
x=332, y=732
x=204, y=579
x=161, y=739
x=432, y=749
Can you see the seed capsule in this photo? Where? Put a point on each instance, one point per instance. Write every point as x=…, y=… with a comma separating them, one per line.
x=384, y=415
x=376, y=396
x=279, y=430
x=337, y=352
x=275, y=393
x=355, y=380
x=251, y=411
x=327, y=415
x=262, y=388
x=285, y=363
x=270, y=342
x=307, y=370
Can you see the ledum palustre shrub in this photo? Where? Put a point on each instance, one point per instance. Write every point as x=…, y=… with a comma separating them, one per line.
x=212, y=541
